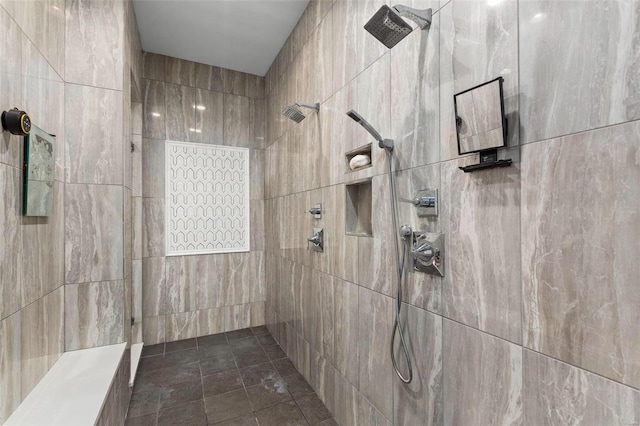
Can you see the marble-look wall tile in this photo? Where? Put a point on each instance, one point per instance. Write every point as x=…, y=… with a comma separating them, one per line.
x=208, y=276
x=421, y=290
x=95, y=57
x=376, y=256
x=42, y=252
x=580, y=250
x=234, y=82
x=136, y=165
x=153, y=66
x=557, y=393
x=593, y=47
x=257, y=128
x=154, y=330
x=257, y=224
x=10, y=365
x=179, y=71
x=236, y=117
x=94, y=314
x=257, y=170
x=154, y=287
x=375, y=317
x=345, y=400
x=137, y=291
x=136, y=118
x=42, y=340
x=415, y=96
x=419, y=402
x=10, y=210
x=153, y=227
x=154, y=110
x=153, y=168
x=254, y=86
x=209, y=117
x=345, y=356
x=182, y=275
x=44, y=24
x=93, y=233
x=94, y=143
x=182, y=326
x=181, y=116
x=237, y=317
x=481, y=287
x=11, y=92
x=136, y=237
x=43, y=97
x=210, y=321
x=474, y=51
x=368, y=415
x=482, y=377
x=209, y=77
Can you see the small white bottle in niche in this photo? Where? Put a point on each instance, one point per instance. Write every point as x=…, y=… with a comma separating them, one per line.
x=359, y=161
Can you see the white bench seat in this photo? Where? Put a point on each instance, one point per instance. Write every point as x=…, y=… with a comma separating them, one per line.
x=74, y=391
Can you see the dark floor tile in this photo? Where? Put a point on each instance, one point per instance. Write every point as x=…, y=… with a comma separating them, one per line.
x=146, y=420
x=217, y=364
x=171, y=359
x=330, y=422
x=190, y=414
x=266, y=394
x=313, y=409
x=285, y=367
x=223, y=382
x=147, y=380
x=239, y=334
x=266, y=340
x=287, y=414
x=260, y=330
x=144, y=403
x=297, y=385
x=212, y=340
x=180, y=373
x=258, y=374
x=181, y=393
x=244, y=345
x=246, y=420
x=151, y=363
x=153, y=350
x=227, y=406
x=252, y=357
x=218, y=351
x=180, y=345
x=274, y=352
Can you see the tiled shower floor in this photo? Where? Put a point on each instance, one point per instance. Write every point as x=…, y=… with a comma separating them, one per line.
x=238, y=378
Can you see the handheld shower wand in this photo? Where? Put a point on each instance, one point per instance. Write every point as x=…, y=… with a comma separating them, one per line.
x=382, y=143
x=405, y=233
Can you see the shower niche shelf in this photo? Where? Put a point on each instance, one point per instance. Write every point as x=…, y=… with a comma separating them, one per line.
x=358, y=209
x=365, y=149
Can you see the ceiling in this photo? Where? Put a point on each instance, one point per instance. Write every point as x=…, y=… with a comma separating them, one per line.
x=242, y=35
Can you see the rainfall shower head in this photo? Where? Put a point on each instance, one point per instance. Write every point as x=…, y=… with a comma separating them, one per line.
x=388, y=26
x=295, y=113
x=382, y=143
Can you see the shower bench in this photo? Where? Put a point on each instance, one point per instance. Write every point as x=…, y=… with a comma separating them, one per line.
x=83, y=387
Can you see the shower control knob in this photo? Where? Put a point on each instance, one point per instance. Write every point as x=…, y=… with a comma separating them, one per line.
x=315, y=240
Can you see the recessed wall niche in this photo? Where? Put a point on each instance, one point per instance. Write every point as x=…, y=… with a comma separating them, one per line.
x=358, y=209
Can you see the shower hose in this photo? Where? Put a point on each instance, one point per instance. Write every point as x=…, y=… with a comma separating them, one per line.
x=397, y=325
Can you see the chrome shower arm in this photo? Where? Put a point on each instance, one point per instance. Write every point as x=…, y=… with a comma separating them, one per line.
x=315, y=106
x=422, y=17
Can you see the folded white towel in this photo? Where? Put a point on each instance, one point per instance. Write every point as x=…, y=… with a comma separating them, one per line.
x=359, y=161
